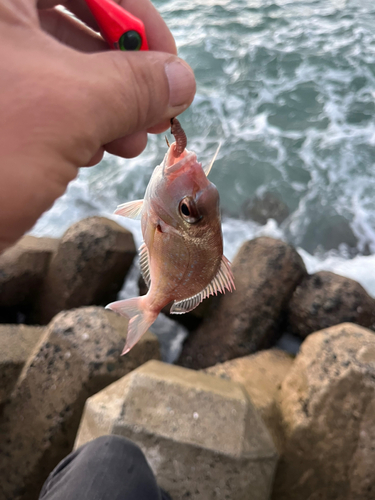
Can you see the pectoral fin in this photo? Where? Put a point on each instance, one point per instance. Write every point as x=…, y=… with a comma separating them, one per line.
x=131, y=209
x=223, y=280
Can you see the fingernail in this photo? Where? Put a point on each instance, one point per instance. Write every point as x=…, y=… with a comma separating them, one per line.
x=181, y=83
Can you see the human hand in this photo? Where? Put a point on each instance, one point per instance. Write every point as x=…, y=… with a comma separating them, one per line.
x=65, y=99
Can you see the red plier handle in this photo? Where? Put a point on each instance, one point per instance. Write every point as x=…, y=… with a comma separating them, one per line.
x=119, y=28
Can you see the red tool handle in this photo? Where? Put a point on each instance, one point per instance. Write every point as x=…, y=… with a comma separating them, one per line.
x=119, y=28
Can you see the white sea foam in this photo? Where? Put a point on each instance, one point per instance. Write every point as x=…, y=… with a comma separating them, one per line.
x=360, y=268
x=288, y=87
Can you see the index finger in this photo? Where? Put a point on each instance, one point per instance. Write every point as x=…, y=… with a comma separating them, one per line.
x=158, y=35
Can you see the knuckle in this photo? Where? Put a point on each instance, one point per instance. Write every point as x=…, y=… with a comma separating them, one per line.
x=139, y=91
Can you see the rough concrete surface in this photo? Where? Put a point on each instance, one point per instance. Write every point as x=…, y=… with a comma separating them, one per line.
x=201, y=435
x=23, y=268
x=88, y=268
x=326, y=299
x=16, y=345
x=261, y=375
x=327, y=408
x=78, y=355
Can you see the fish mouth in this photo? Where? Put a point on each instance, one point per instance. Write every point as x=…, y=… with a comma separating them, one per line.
x=173, y=164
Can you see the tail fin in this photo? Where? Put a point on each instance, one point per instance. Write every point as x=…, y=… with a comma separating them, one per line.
x=140, y=319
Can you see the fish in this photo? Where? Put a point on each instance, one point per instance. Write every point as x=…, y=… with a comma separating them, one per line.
x=181, y=257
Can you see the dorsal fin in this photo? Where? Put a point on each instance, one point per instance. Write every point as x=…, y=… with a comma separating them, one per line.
x=144, y=264
x=131, y=209
x=208, y=167
x=223, y=280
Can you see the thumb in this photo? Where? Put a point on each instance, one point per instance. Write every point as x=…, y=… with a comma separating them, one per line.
x=134, y=91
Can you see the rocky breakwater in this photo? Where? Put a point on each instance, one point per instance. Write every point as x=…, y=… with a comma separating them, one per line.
x=325, y=299
x=77, y=355
x=274, y=294
x=319, y=410
x=23, y=269
x=201, y=435
x=89, y=267
x=266, y=273
x=47, y=373
x=205, y=437
x=40, y=277
x=326, y=406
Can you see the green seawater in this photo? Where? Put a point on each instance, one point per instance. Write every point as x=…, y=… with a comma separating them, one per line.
x=288, y=88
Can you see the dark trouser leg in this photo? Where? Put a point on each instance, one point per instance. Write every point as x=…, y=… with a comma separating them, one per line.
x=108, y=468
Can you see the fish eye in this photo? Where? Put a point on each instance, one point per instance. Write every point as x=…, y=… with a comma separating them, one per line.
x=189, y=211
x=130, y=40
x=185, y=209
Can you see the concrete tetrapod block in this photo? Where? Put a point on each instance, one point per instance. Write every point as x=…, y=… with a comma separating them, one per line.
x=201, y=435
x=261, y=374
x=16, y=344
x=89, y=267
x=23, y=268
x=79, y=355
x=326, y=299
x=327, y=413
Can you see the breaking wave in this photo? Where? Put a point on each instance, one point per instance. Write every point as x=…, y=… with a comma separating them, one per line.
x=288, y=87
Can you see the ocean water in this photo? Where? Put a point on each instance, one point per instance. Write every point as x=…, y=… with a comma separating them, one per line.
x=288, y=88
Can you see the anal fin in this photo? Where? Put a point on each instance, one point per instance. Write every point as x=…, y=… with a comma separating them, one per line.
x=223, y=280
x=144, y=263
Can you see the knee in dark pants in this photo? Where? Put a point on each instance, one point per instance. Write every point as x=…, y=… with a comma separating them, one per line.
x=116, y=444
x=108, y=468
x=103, y=449
x=115, y=448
